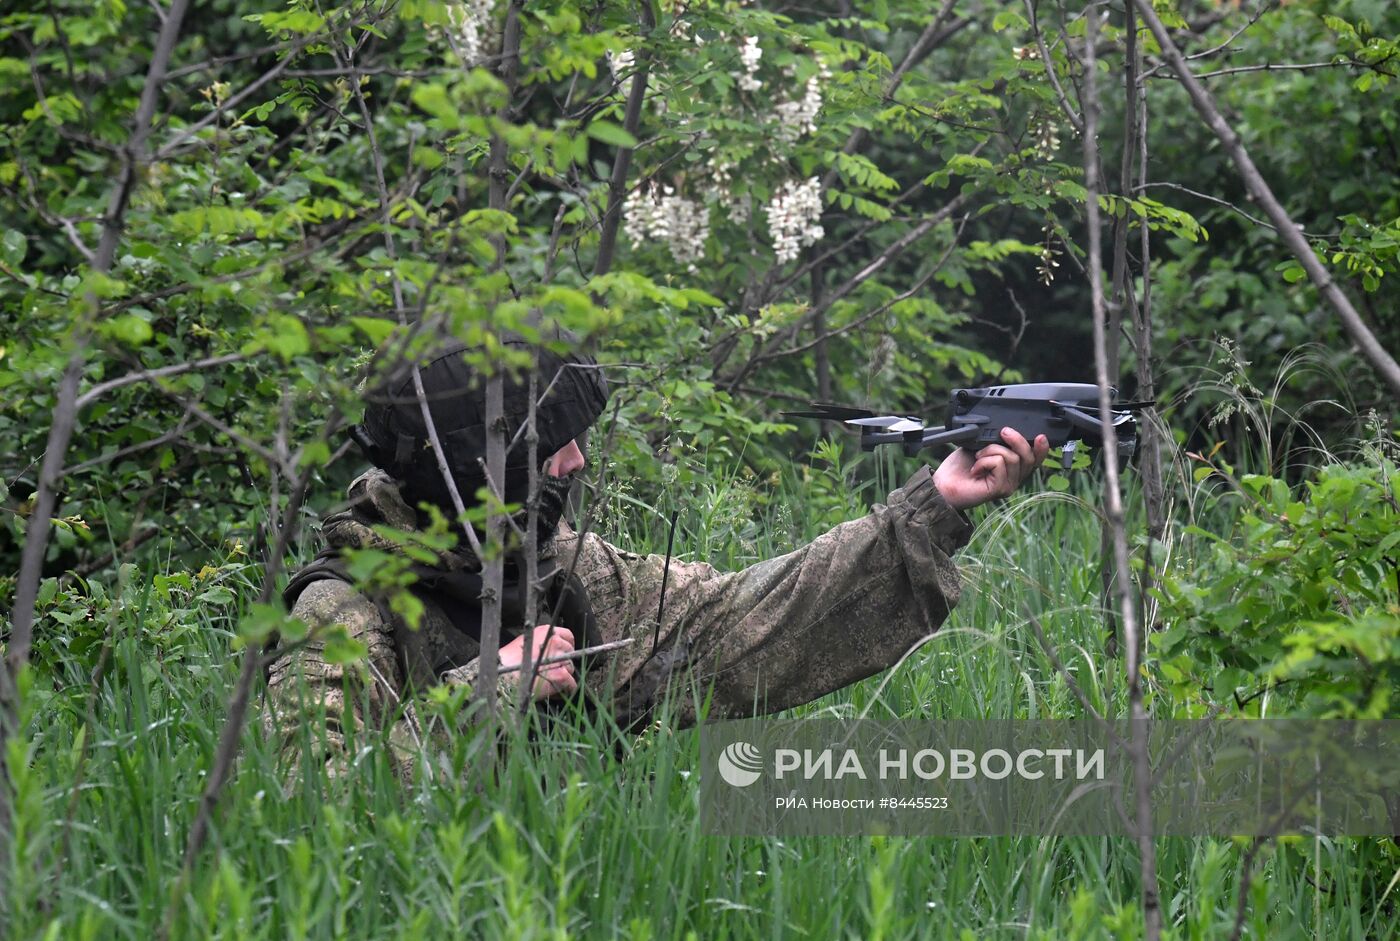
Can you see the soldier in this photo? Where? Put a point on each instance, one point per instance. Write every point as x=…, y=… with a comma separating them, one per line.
x=772, y=636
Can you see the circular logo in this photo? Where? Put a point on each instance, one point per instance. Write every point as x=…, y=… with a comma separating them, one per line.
x=740, y=764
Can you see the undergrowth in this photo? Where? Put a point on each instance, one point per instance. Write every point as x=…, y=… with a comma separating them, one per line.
x=566, y=839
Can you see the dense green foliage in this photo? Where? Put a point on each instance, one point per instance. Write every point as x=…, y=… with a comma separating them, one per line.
x=568, y=841
x=1306, y=598
x=259, y=231
x=316, y=177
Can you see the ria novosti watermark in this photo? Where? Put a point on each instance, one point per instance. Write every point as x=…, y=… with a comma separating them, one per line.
x=1048, y=777
x=740, y=764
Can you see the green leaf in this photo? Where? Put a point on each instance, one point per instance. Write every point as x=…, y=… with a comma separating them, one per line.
x=12, y=247
x=48, y=590
x=215, y=595
x=428, y=158
x=260, y=623
x=129, y=330
x=1008, y=18
x=607, y=132
x=340, y=648
x=433, y=98
x=375, y=329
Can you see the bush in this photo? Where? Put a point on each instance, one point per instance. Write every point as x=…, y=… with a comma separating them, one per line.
x=1301, y=595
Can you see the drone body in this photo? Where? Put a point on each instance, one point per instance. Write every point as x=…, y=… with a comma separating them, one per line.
x=1065, y=412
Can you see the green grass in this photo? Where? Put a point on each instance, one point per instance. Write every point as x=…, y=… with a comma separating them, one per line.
x=567, y=841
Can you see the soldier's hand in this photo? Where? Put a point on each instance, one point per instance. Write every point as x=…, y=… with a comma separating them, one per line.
x=967, y=480
x=552, y=678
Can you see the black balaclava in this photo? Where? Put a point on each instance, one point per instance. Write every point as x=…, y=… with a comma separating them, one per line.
x=394, y=436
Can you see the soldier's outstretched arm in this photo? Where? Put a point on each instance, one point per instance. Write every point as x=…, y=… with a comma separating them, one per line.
x=793, y=628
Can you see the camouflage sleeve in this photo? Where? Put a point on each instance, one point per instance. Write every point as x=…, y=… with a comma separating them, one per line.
x=796, y=627
x=316, y=707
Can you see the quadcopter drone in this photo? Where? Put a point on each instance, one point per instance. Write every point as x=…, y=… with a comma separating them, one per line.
x=1065, y=412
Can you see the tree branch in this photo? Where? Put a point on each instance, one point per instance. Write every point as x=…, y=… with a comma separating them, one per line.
x=1113, y=509
x=930, y=39
x=493, y=568
x=145, y=375
x=622, y=162
x=897, y=248
x=134, y=157
x=869, y=315
x=1074, y=119
x=1356, y=328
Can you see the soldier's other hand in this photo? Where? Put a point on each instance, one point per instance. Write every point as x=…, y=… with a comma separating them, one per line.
x=551, y=679
x=967, y=480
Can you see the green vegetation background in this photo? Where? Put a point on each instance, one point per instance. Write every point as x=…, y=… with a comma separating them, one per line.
x=258, y=239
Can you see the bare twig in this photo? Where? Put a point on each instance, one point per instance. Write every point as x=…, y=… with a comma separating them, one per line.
x=134, y=157
x=865, y=318
x=895, y=249
x=532, y=516
x=622, y=162
x=493, y=568
x=1264, y=7
x=1279, y=67
x=1356, y=328
x=164, y=372
x=1113, y=509
x=237, y=711
x=563, y=658
x=1149, y=445
x=1075, y=120
x=1163, y=184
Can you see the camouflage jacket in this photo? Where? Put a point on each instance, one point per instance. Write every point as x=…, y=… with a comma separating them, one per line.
x=771, y=636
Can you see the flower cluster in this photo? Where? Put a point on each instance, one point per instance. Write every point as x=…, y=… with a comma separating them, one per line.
x=1045, y=267
x=1047, y=138
x=794, y=217
x=720, y=190
x=799, y=117
x=662, y=215
x=749, y=53
x=620, y=63
x=469, y=28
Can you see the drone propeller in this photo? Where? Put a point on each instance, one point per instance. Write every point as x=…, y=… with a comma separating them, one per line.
x=1087, y=421
x=888, y=423
x=831, y=411
x=862, y=418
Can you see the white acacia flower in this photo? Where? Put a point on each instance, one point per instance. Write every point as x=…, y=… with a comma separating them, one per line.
x=653, y=214
x=620, y=63
x=749, y=53
x=469, y=28
x=799, y=117
x=719, y=190
x=1047, y=139
x=794, y=217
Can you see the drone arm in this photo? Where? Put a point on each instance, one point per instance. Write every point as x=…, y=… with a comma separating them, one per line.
x=1081, y=419
x=964, y=434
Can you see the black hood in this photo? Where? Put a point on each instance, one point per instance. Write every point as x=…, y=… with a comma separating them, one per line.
x=394, y=436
